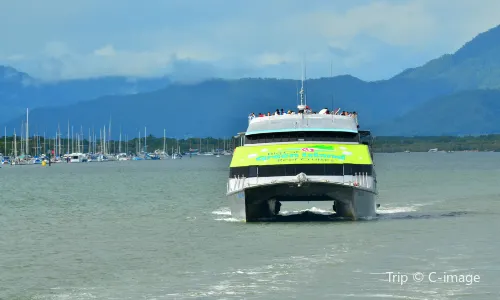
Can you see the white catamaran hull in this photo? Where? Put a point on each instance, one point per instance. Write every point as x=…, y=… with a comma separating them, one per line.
x=252, y=201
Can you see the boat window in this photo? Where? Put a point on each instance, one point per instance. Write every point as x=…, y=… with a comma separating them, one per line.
x=283, y=137
x=252, y=171
x=293, y=170
x=366, y=137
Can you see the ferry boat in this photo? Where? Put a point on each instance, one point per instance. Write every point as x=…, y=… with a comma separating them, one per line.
x=302, y=157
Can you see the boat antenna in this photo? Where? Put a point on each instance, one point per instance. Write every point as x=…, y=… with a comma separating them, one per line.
x=331, y=77
x=302, y=105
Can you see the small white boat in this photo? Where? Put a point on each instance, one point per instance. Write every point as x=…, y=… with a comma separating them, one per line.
x=77, y=158
x=122, y=157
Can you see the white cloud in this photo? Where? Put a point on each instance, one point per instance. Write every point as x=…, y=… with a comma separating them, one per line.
x=107, y=50
x=369, y=39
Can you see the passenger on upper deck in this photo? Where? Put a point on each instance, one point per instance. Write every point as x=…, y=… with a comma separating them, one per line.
x=251, y=117
x=307, y=110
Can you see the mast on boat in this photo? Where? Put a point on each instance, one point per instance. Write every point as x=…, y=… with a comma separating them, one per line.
x=67, y=150
x=15, y=144
x=81, y=139
x=109, y=136
x=100, y=142
x=104, y=140
x=59, y=136
x=303, y=99
x=27, y=132
x=21, y=141
x=139, y=148
x=120, y=141
x=90, y=143
x=164, y=141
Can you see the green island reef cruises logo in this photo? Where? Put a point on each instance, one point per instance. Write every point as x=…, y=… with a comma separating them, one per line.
x=308, y=153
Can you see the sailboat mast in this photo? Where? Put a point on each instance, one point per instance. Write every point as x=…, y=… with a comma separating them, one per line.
x=5, y=141
x=15, y=144
x=145, y=141
x=108, y=146
x=27, y=132
x=21, y=142
x=67, y=150
x=59, y=137
x=103, y=142
x=164, y=141
x=120, y=142
x=90, y=142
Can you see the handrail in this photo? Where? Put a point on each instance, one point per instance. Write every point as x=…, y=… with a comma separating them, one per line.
x=360, y=179
x=300, y=115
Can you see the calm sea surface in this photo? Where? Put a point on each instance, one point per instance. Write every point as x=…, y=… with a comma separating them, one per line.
x=162, y=230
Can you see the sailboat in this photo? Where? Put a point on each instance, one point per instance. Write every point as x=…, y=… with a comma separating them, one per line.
x=164, y=154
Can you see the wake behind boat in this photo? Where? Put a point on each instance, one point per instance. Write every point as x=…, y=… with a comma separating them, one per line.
x=302, y=157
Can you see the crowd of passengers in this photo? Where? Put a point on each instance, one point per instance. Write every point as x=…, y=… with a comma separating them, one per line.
x=307, y=110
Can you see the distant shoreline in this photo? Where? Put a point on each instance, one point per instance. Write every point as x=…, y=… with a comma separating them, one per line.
x=481, y=143
x=439, y=151
x=382, y=144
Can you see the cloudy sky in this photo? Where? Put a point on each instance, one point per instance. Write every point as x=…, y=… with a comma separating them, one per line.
x=61, y=39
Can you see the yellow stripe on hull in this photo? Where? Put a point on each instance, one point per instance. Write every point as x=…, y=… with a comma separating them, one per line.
x=285, y=154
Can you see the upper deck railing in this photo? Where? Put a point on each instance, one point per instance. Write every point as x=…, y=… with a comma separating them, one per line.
x=301, y=122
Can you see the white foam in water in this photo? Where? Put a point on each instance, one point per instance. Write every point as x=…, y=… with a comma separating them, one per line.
x=228, y=220
x=223, y=211
x=312, y=209
x=395, y=210
x=401, y=209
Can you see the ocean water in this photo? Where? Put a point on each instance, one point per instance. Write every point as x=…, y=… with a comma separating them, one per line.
x=162, y=230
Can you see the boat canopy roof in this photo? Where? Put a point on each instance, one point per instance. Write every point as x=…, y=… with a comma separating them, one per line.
x=302, y=122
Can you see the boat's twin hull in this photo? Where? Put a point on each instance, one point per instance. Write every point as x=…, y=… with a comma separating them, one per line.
x=263, y=202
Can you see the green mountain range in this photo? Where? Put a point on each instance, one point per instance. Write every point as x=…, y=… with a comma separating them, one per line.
x=474, y=66
x=454, y=94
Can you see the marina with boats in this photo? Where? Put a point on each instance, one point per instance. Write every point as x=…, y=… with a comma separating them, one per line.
x=99, y=147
